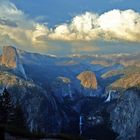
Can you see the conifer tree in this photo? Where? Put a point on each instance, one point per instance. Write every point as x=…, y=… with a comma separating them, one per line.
x=11, y=115
x=18, y=120
x=6, y=107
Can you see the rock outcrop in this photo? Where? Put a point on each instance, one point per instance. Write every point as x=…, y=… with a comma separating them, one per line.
x=88, y=80
x=62, y=87
x=9, y=57
x=127, y=81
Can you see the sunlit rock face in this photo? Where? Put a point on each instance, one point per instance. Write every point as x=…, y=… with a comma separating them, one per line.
x=88, y=80
x=128, y=81
x=10, y=60
x=9, y=57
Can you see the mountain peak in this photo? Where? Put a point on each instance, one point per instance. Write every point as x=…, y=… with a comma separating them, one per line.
x=88, y=79
x=9, y=57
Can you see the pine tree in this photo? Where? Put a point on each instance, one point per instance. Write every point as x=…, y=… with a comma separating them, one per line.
x=1, y=109
x=18, y=120
x=6, y=107
x=11, y=115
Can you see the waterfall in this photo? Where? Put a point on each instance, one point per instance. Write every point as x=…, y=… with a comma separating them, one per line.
x=81, y=124
x=109, y=97
x=70, y=93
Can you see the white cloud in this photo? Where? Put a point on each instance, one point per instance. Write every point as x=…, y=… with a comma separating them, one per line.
x=18, y=29
x=82, y=27
x=120, y=25
x=40, y=30
x=112, y=25
x=7, y=8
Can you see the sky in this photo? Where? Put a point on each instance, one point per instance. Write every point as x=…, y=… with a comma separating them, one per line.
x=69, y=27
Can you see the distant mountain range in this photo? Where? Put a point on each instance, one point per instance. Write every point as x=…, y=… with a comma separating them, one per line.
x=53, y=90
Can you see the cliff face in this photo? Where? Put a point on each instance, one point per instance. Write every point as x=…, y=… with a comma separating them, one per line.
x=62, y=87
x=125, y=117
x=9, y=57
x=127, y=81
x=88, y=79
x=36, y=103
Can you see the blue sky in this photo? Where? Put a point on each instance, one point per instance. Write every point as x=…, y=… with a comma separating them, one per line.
x=58, y=11
x=64, y=27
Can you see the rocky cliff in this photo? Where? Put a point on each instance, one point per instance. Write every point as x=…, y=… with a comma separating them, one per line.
x=9, y=57
x=127, y=81
x=10, y=60
x=88, y=79
x=125, y=116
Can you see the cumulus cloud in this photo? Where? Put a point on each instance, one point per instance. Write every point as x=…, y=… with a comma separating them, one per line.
x=8, y=9
x=39, y=33
x=82, y=27
x=121, y=25
x=112, y=25
x=18, y=29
